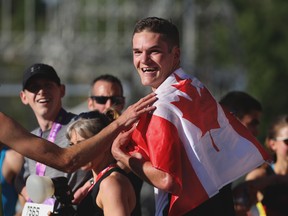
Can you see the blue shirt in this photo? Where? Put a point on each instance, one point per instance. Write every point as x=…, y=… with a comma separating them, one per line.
x=9, y=194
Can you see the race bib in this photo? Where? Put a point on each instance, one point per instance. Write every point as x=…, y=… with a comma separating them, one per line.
x=35, y=209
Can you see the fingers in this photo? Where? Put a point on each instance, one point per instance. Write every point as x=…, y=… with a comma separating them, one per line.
x=146, y=109
x=147, y=100
x=134, y=111
x=144, y=104
x=149, y=96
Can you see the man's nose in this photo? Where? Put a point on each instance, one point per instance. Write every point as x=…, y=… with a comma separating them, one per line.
x=109, y=103
x=144, y=57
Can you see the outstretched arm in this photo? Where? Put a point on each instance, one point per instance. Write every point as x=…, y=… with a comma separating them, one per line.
x=69, y=159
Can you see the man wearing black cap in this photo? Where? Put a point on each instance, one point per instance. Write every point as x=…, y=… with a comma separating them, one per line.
x=43, y=91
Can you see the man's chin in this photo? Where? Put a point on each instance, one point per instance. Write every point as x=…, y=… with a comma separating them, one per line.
x=146, y=82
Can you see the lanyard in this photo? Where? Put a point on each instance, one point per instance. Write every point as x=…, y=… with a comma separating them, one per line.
x=40, y=168
x=111, y=166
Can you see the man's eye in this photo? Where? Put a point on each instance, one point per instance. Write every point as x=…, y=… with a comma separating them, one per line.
x=137, y=52
x=155, y=51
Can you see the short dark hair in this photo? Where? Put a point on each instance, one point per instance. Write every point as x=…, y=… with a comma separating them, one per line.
x=240, y=103
x=108, y=78
x=166, y=28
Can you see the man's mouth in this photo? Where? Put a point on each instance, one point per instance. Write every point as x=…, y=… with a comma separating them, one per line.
x=44, y=100
x=149, y=69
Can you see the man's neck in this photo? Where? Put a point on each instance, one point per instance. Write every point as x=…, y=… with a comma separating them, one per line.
x=45, y=122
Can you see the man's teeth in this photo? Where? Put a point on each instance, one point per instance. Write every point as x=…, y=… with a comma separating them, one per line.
x=148, y=69
x=43, y=100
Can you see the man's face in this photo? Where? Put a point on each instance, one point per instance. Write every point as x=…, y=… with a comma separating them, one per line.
x=43, y=96
x=106, y=89
x=252, y=121
x=153, y=59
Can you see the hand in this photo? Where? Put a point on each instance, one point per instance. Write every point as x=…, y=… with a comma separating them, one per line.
x=81, y=192
x=121, y=142
x=134, y=111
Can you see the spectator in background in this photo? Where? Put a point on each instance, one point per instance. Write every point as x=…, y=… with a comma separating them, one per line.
x=273, y=198
x=248, y=111
x=107, y=96
x=110, y=192
x=10, y=164
x=245, y=107
x=106, y=91
x=43, y=92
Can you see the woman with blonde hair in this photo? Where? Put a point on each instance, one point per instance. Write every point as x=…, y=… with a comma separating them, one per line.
x=273, y=196
x=111, y=192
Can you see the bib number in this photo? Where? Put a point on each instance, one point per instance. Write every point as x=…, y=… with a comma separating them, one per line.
x=35, y=209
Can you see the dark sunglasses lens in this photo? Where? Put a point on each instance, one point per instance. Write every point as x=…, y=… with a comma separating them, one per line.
x=103, y=100
x=285, y=141
x=100, y=99
x=117, y=100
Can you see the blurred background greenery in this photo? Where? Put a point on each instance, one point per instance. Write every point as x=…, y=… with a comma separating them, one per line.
x=228, y=45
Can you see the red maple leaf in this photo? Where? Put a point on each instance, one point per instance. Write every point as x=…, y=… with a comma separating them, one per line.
x=201, y=110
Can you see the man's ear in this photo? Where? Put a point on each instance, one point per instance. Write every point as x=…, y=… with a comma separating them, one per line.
x=177, y=52
x=23, y=97
x=63, y=90
x=123, y=105
x=90, y=104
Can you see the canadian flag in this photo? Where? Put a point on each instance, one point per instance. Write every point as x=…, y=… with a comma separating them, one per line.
x=193, y=139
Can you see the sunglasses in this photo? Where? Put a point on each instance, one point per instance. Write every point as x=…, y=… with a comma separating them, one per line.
x=117, y=100
x=285, y=140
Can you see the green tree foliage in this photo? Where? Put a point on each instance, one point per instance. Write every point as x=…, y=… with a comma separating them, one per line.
x=264, y=34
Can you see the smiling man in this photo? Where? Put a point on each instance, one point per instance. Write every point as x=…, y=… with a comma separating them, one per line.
x=43, y=92
x=188, y=148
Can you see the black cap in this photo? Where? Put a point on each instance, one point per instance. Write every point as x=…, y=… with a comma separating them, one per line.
x=42, y=71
